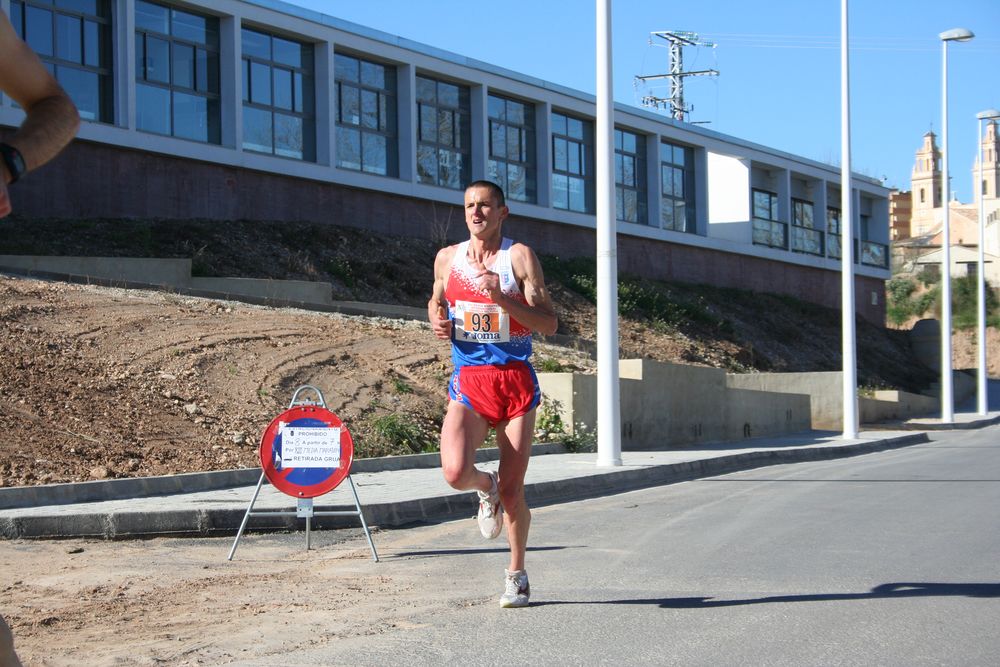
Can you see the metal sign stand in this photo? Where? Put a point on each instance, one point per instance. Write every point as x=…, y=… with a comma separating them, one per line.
x=304, y=508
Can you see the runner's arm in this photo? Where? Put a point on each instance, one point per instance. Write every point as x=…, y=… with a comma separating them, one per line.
x=538, y=314
x=437, y=307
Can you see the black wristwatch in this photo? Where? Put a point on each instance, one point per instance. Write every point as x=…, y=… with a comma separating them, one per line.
x=13, y=160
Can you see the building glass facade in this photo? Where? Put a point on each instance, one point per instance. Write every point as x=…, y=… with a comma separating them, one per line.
x=512, y=159
x=278, y=106
x=366, y=116
x=73, y=40
x=833, y=233
x=677, y=206
x=630, y=177
x=450, y=119
x=572, y=163
x=805, y=237
x=768, y=230
x=177, y=73
x=443, y=129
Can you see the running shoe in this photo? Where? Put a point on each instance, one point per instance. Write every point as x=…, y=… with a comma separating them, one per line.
x=490, y=515
x=517, y=590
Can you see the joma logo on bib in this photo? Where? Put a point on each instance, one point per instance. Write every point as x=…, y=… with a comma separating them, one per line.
x=480, y=337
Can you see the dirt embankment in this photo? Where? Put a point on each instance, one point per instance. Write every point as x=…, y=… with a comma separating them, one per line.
x=101, y=382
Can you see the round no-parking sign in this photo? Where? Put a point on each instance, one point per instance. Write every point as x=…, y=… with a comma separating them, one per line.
x=306, y=451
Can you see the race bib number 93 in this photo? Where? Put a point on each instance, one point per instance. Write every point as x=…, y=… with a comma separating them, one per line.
x=481, y=323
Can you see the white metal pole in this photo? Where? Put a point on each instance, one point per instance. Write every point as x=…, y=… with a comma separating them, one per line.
x=981, y=278
x=947, y=395
x=982, y=386
x=609, y=445
x=848, y=339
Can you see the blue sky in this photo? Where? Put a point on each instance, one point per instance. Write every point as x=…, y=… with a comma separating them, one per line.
x=779, y=64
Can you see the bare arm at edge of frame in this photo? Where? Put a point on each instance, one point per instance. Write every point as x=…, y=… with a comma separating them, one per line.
x=51, y=119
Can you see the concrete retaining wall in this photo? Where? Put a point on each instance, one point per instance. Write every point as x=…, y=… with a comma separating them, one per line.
x=666, y=404
x=825, y=391
x=169, y=272
x=673, y=404
x=826, y=397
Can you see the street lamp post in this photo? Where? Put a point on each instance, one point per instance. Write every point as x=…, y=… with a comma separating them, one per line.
x=982, y=403
x=947, y=393
x=848, y=332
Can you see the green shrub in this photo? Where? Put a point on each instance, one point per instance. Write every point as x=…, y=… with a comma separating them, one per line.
x=549, y=427
x=547, y=365
x=929, y=276
x=965, y=303
x=342, y=270
x=397, y=434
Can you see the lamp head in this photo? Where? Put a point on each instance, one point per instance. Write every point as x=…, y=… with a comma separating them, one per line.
x=956, y=35
x=989, y=114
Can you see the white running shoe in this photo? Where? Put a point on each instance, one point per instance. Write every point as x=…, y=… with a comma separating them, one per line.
x=517, y=589
x=490, y=515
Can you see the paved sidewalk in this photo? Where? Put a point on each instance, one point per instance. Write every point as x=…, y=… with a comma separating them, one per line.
x=403, y=490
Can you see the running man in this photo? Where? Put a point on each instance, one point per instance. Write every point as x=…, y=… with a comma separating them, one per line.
x=51, y=119
x=489, y=295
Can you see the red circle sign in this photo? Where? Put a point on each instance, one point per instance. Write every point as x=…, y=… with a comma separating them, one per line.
x=306, y=451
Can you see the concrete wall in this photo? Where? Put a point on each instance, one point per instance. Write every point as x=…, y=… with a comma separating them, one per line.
x=170, y=273
x=826, y=397
x=896, y=405
x=824, y=391
x=166, y=272
x=672, y=405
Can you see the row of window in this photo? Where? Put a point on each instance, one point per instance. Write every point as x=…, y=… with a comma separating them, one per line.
x=805, y=235
x=177, y=93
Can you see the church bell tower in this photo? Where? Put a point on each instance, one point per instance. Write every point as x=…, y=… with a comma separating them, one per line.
x=926, y=178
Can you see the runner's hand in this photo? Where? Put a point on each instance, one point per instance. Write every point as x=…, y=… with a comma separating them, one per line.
x=487, y=281
x=442, y=325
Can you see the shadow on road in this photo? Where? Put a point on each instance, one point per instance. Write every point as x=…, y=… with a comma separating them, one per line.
x=467, y=552
x=883, y=591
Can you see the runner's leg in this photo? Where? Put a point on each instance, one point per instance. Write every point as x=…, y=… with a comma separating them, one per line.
x=514, y=440
x=461, y=434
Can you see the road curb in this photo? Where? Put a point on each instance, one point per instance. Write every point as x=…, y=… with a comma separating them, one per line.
x=19, y=497
x=448, y=506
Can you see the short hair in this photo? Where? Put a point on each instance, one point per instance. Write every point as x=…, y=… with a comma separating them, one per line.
x=494, y=189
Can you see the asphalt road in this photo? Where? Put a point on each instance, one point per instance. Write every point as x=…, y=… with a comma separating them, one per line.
x=884, y=559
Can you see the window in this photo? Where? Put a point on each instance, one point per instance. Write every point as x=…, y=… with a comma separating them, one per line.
x=765, y=205
x=872, y=252
x=630, y=177
x=805, y=237
x=833, y=233
x=73, y=40
x=278, y=108
x=366, y=116
x=512, y=162
x=572, y=171
x=442, y=133
x=677, y=211
x=177, y=72
x=767, y=229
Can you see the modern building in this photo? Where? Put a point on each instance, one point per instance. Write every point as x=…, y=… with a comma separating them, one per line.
x=256, y=109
